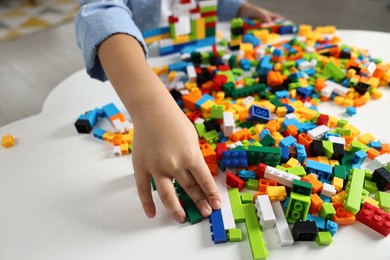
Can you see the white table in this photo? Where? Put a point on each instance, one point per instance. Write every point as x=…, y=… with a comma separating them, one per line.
x=64, y=196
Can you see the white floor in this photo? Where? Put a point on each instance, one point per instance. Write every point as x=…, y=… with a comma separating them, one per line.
x=31, y=66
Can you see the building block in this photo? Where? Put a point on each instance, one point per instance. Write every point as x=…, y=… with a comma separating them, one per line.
x=234, y=235
x=284, y=233
x=235, y=201
x=321, y=169
x=255, y=235
x=246, y=197
x=324, y=238
x=342, y=216
x=302, y=187
x=259, y=114
x=381, y=177
x=252, y=184
x=327, y=211
x=234, y=158
x=234, y=181
x=384, y=200
x=315, y=203
x=217, y=227
x=304, y=230
x=279, y=176
x=331, y=226
x=353, y=197
x=276, y=193
x=265, y=212
x=7, y=141
x=192, y=212
x=262, y=154
x=375, y=218
x=316, y=184
x=298, y=207
x=86, y=122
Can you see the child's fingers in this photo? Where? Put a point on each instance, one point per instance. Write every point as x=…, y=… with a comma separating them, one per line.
x=142, y=180
x=168, y=197
x=189, y=184
x=206, y=182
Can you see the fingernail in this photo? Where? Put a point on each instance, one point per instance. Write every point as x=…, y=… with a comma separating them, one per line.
x=205, y=210
x=180, y=219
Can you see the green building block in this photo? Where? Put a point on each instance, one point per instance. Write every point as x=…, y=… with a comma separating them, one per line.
x=327, y=210
x=211, y=136
x=210, y=32
x=331, y=70
x=192, y=212
x=354, y=191
x=384, y=200
x=280, y=167
x=365, y=194
x=235, y=202
x=324, y=238
x=328, y=147
x=342, y=122
x=261, y=154
x=370, y=186
x=367, y=175
x=200, y=129
x=252, y=184
x=234, y=235
x=246, y=197
x=343, y=132
x=255, y=235
x=267, y=140
x=356, y=146
x=340, y=172
x=302, y=187
x=297, y=170
x=298, y=207
x=249, y=81
x=205, y=9
x=217, y=111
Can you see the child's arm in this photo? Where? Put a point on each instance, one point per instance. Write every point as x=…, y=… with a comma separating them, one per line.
x=165, y=142
x=254, y=11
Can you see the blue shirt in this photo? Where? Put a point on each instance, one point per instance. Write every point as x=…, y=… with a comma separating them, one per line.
x=99, y=19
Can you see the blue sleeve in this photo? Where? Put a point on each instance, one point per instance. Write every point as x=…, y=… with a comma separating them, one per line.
x=228, y=9
x=98, y=20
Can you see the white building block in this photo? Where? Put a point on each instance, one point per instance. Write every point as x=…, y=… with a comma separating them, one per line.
x=318, y=132
x=228, y=123
x=280, y=176
x=265, y=212
x=226, y=208
x=328, y=190
x=337, y=140
x=191, y=73
x=117, y=150
x=281, y=225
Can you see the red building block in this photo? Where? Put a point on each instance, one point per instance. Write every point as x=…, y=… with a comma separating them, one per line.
x=375, y=218
x=234, y=181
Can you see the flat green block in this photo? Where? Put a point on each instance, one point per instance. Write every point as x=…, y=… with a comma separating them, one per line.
x=298, y=207
x=297, y=171
x=234, y=235
x=206, y=9
x=332, y=70
x=280, y=167
x=302, y=187
x=327, y=210
x=328, y=146
x=200, y=129
x=246, y=197
x=370, y=186
x=256, y=241
x=354, y=191
x=252, y=184
x=356, y=146
x=235, y=202
x=211, y=136
x=324, y=238
x=217, y=111
x=340, y=172
x=384, y=200
x=267, y=140
x=342, y=122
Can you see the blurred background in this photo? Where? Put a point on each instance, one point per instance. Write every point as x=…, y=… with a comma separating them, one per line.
x=38, y=49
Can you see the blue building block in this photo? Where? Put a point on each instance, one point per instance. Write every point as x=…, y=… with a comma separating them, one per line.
x=155, y=32
x=351, y=111
x=325, y=198
x=289, y=108
x=193, y=46
x=292, y=121
x=249, y=38
x=318, y=220
x=245, y=64
x=301, y=153
x=310, y=72
x=110, y=110
x=178, y=66
x=285, y=154
x=375, y=144
x=259, y=114
x=202, y=100
x=264, y=132
x=246, y=175
x=277, y=52
x=86, y=122
x=287, y=141
x=98, y=133
x=332, y=227
x=282, y=94
x=235, y=158
x=359, y=157
x=286, y=29
x=323, y=170
x=217, y=227
x=328, y=134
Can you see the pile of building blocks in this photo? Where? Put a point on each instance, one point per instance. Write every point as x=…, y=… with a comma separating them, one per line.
x=193, y=24
x=287, y=166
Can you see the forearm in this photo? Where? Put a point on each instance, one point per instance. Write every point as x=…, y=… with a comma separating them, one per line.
x=137, y=85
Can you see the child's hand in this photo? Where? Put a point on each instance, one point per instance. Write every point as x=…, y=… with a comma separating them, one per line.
x=166, y=147
x=254, y=11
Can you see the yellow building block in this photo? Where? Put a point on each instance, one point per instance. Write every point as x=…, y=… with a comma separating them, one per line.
x=181, y=39
x=292, y=162
x=339, y=197
x=354, y=131
x=246, y=47
x=333, y=162
x=200, y=29
x=347, y=102
x=263, y=35
x=373, y=82
x=109, y=137
x=307, y=113
x=296, y=104
x=376, y=94
x=338, y=183
x=124, y=149
x=323, y=159
x=366, y=138
x=157, y=38
x=276, y=193
x=333, y=121
x=206, y=106
x=281, y=111
x=372, y=201
x=304, y=29
x=267, y=104
x=7, y=141
x=238, y=108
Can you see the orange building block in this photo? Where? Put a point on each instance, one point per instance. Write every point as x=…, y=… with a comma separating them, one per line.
x=273, y=125
x=372, y=153
x=385, y=148
x=315, y=203
x=243, y=134
x=274, y=78
x=316, y=184
x=342, y=216
x=190, y=99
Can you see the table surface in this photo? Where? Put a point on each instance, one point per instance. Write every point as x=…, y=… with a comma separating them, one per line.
x=64, y=195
